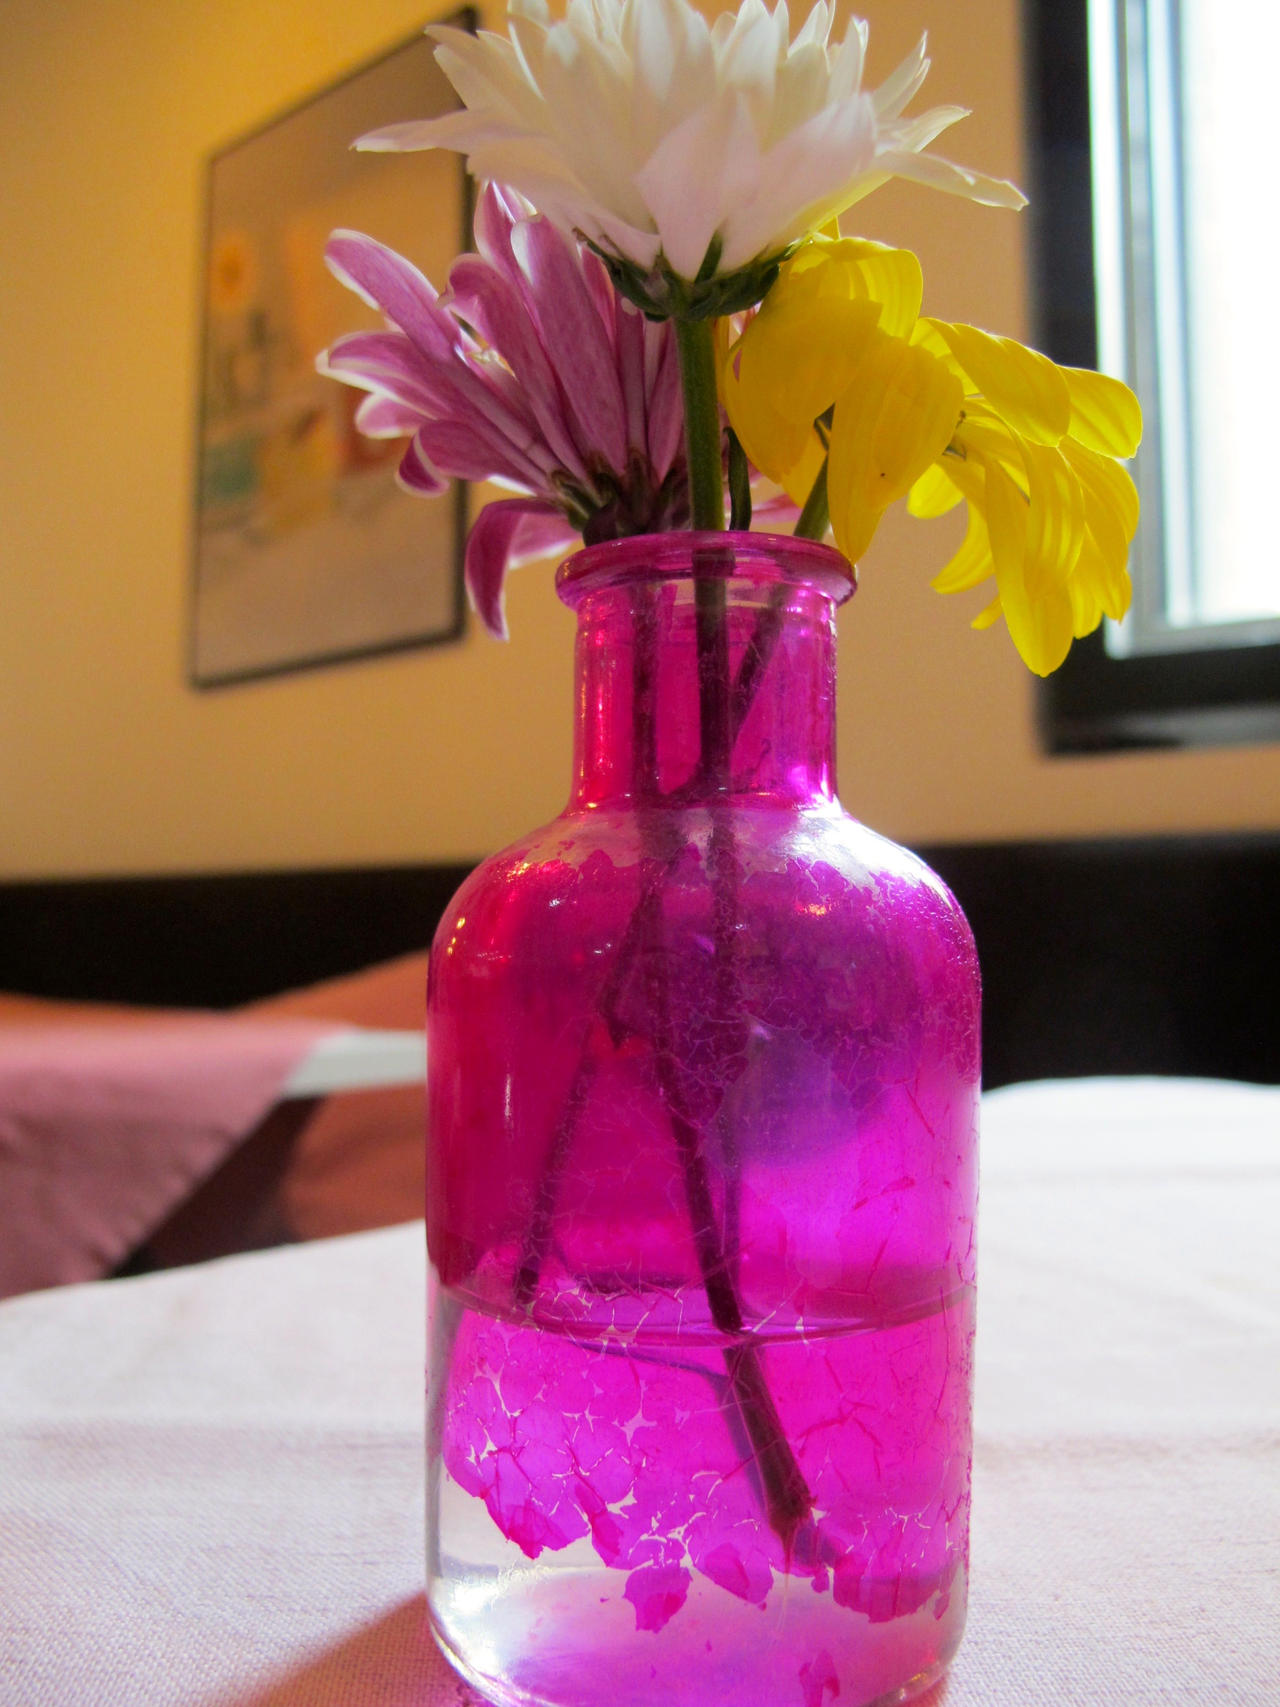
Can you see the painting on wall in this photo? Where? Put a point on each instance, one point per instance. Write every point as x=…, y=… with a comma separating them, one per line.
x=306, y=550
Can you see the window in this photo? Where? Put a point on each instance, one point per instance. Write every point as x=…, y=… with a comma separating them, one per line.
x=1151, y=230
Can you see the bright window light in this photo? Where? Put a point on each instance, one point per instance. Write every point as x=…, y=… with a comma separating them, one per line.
x=1182, y=95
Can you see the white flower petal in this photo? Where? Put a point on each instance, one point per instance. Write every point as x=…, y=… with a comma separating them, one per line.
x=528, y=25
x=801, y=92
x=749, y=62
x=636, y=123
x=688, y=208
x=450, y=130
x=674, y=67
x=956, y=180
x=489, y=76
x=815, y=29
x=846, y=66
x=911, y=136
x=616, y=237
x=903, y=84
x=802, y=181
x=591, y=128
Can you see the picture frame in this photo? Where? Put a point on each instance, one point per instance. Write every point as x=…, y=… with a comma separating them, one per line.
x=305, y=551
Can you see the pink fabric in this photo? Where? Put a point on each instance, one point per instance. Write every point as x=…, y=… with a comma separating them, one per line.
x=110, y=1118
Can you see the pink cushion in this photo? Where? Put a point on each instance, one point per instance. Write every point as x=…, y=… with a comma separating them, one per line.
x=111, y=1117
x=360, y=1157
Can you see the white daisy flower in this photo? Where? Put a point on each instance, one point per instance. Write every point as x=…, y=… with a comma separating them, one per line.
x=684, y=150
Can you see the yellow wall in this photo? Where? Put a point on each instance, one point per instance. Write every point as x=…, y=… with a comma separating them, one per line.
x=109, y=762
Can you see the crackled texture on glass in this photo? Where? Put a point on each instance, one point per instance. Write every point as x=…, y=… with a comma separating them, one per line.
x=701, y=1183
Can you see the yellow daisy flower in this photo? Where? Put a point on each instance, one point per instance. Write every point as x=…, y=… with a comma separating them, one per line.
x=839, y=370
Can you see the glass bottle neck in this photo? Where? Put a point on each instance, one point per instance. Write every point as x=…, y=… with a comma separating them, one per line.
x=694, y=688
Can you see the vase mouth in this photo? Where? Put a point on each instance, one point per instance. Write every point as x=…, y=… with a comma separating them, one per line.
x=762, y=558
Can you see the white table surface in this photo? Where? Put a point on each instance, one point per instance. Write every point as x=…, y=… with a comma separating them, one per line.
x=211, y=1479
x=357, y=1060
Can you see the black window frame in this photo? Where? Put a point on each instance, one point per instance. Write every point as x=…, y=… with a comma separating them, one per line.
x=1203, y=696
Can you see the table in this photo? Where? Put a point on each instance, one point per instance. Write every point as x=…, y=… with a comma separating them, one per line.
x=211, y=1479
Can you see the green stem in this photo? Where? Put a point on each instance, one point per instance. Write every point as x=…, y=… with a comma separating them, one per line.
x=815, y=518
x=739, y=485
x=695, y=342
x=787, y=1497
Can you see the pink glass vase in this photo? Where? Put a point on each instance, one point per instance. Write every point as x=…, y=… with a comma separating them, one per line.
x=704, y=1074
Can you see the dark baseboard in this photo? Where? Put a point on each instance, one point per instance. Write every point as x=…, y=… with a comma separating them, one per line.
x=217, y=940
x=1125, y=956
x=1152, y=955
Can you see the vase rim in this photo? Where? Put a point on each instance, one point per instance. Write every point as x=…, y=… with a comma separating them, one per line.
x=765, y=558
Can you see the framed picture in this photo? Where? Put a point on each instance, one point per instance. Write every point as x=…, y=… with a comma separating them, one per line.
x=306, y=550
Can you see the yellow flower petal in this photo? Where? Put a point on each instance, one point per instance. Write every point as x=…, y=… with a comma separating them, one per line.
x=1107, y=483
x=1086, y=608
x=781, y=449
x=860, y=270
x=988, y=614
x=1112, y=586
x=1024, y=387
x=803, y=347
x=1100, y=583
x=973, y=563
x=933, y=494
x=1056, y=518
x=983, y=438
x=1036, y=605
x=802, y=473
x=966, y=469
x=895, y=419
x=1105, y=414
x=890, y=277
x=926, y=335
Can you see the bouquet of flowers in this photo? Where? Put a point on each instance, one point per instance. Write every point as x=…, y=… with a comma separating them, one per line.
x=664, y=328
x=662, y=303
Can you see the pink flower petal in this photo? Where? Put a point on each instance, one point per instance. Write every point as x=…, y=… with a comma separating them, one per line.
x=395, y=288
x=657, y=1592
x=665, y=400
x=529, y=370
x=600, y=287
x=465, y=450
x=542, y=535
x=386, y=362
x=742, y=1571
x=497, y=210
x=417, y=475
x=776, y=514
x=629, y=337
x=495, y=405
x=503, y=533
x=818, y=1679
x=381, y=417
x=392, y=284
x=496, y=437
x=575, y=339
x=490, y=303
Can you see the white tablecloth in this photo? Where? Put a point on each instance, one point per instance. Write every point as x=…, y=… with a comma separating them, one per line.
x=211, y=1480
